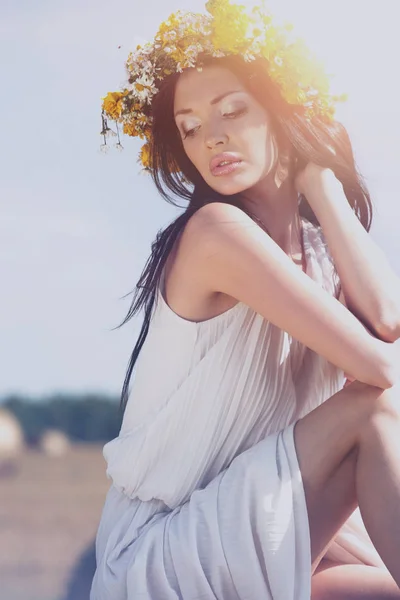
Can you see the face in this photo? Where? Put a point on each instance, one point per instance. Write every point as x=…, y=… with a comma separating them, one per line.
x=224, y=130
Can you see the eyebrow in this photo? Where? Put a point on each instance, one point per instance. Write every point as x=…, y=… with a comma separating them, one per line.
x=185, y=111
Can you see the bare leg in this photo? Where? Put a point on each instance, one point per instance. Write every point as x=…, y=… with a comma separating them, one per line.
x=352, y=582
x=349, y=452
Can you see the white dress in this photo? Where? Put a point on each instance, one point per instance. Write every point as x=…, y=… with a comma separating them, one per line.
x=206, y=500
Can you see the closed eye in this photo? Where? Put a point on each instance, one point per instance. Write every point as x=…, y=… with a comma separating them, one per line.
x=233, y=114
x=236, y=113
x=191, y=132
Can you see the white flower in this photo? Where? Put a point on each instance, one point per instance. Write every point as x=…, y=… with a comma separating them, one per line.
x=218, y=53
x=170, y=36
x=248, y=56
x=194, y=48
x=144, y=95
x=190, y=64
x=193, y=20
x=144, y=88
x=147, y=48
x=146, y=80
x=147, y=66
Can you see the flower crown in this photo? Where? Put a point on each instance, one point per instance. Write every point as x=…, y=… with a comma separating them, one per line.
x=228, y=29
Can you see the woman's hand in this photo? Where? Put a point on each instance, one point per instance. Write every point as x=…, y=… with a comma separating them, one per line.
x=312, y=180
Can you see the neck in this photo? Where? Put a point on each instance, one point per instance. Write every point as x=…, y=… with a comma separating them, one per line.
x=276, y=206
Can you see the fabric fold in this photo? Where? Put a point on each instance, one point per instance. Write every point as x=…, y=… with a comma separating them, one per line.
x=205, y=480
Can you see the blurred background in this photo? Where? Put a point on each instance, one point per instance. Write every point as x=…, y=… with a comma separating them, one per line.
x=76, y=227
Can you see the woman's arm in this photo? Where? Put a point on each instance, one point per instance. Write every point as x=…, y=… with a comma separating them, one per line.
x=229, y=253
x=370, y=286
x=349, y=378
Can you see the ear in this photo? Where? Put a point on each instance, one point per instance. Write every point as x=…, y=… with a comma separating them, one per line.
x=284, y=163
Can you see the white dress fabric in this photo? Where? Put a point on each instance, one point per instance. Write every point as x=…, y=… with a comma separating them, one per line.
x=206, y=500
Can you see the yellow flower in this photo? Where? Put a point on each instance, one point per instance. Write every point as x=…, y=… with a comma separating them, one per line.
x=145, y=156
x=130, y=128
x=210, y=5
x=167, y=28
x=230, y=26
x=112, y=104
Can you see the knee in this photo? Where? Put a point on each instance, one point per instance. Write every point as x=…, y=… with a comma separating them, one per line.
x=385, y=409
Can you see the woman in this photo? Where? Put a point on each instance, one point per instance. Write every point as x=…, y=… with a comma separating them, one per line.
x=242, y=459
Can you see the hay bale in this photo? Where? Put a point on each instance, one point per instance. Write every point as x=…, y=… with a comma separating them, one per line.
x=11, y=436
x=54, y=443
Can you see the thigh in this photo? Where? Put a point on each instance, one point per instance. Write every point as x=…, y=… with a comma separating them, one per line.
x=326, y=443
x=245, y=535
x=333, y=581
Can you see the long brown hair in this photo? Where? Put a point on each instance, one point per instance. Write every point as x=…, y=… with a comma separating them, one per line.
x=176, y=177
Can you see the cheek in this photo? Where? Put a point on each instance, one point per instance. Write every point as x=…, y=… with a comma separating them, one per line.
x=258, y=146
x=192, y=150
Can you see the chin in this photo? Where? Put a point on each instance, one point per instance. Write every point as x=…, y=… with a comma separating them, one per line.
x=230, y=185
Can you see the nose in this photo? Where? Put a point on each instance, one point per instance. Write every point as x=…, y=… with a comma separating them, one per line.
x=215, y=138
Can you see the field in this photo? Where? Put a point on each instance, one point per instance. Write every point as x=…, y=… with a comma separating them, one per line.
x=49, y=513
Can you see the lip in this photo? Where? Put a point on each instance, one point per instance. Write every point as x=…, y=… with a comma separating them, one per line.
x=232, y=157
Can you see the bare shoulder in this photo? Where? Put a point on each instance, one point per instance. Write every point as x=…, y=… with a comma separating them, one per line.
x=209, y=227
x=215, y=229
x=212, y=219
x=217, y=212
x=186, y=284
x=230, y=250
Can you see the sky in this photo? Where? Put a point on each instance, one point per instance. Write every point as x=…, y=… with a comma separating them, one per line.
x=76, y=225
